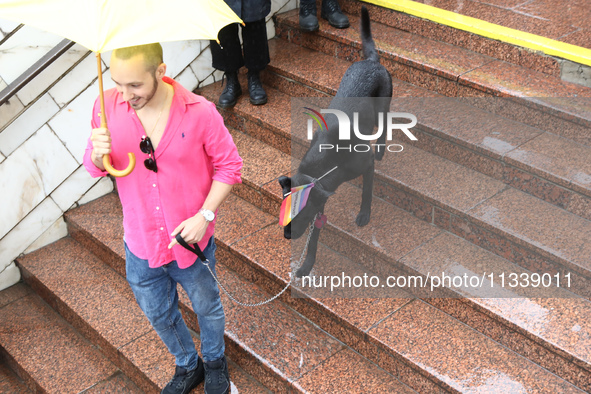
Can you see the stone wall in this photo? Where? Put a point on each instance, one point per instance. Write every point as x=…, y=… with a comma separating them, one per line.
x=44, y=129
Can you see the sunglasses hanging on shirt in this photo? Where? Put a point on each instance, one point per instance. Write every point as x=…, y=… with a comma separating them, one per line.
x=147, y=147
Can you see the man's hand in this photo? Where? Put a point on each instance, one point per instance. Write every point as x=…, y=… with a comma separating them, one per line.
x=101, y=145
x=192, y=230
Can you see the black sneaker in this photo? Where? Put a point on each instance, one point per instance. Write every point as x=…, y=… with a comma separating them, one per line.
x=184, y=381
x=217, y=380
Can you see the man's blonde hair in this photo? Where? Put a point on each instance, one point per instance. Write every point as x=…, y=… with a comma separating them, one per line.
x=152, y=54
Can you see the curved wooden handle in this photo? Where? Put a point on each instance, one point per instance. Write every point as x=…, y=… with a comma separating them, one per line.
x=102, y=114
x=119, y=173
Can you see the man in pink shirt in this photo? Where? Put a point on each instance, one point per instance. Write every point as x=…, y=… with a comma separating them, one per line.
x=190, y=165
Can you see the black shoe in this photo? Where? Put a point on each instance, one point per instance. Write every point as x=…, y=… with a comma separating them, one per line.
x=308, y=19
x=184, y=381
x=217, y=379
x=331, y=11
x=230, y=95
x=255, y=89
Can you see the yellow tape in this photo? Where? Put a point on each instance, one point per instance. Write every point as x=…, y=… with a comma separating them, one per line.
x=531, y=41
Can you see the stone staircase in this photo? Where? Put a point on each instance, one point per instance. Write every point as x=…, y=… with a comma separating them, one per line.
x=497, y=181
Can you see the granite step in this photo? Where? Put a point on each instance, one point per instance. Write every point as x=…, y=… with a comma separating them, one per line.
x=258, y=251
x=398, y=243
x=99, y=304
x=470, y=189
x=262, y=165
x=553, y=166
x=507, y=315
x=277, y=346
x=528, y=231
x=47, y=352
x=490, y=12
x=452, y=71
x=545, y=165
x=268, y=123
x=470, y=204
x=11, y=383
x=371, y=325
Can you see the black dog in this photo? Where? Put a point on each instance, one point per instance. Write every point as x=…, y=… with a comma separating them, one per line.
x=369, y=81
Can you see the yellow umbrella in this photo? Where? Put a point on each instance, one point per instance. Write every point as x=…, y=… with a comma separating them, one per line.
x=104, y=25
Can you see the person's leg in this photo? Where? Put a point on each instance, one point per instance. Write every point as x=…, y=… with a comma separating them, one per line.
x=205, y=297
x=227, y=56
x=203, y=292
x=156, y=294
x=256, y=58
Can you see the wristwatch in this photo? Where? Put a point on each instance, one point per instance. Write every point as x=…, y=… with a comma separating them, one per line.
x=207, y=214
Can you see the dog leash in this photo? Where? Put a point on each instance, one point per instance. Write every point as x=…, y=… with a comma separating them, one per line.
x=319, y=221
x=314, y=180
x=328, y=172
x=205, y=261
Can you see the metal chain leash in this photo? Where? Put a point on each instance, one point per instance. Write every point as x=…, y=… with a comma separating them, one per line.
x=206, y=263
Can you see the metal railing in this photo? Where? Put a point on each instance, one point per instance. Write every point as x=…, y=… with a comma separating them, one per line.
x=34, y=70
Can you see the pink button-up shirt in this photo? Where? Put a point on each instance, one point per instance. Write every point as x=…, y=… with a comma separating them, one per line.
x=195, y=149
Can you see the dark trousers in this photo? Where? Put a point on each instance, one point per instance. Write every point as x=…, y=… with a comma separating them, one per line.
x=229, y=57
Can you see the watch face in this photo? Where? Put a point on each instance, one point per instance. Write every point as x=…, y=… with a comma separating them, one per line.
x=208, y=215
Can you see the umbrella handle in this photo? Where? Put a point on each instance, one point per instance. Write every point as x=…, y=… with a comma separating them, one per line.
x=119, y=173
x=106, y=158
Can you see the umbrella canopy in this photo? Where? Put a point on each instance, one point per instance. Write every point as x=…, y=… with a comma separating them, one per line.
x=104, y=25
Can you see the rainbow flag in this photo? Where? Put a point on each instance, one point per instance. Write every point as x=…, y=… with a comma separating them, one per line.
x=293, y=203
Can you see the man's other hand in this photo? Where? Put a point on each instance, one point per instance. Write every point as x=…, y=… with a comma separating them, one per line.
x=192, y=230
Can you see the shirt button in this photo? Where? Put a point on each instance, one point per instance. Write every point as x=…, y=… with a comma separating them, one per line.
x=157, y=208
x=161, y=228
x=154, y=185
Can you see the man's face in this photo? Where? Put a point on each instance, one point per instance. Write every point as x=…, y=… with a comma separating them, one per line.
x=133, y=80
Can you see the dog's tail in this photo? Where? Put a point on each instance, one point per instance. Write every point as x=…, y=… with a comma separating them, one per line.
x=369, y=47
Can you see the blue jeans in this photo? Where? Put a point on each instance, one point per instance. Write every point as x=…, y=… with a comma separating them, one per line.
x=156, y=293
